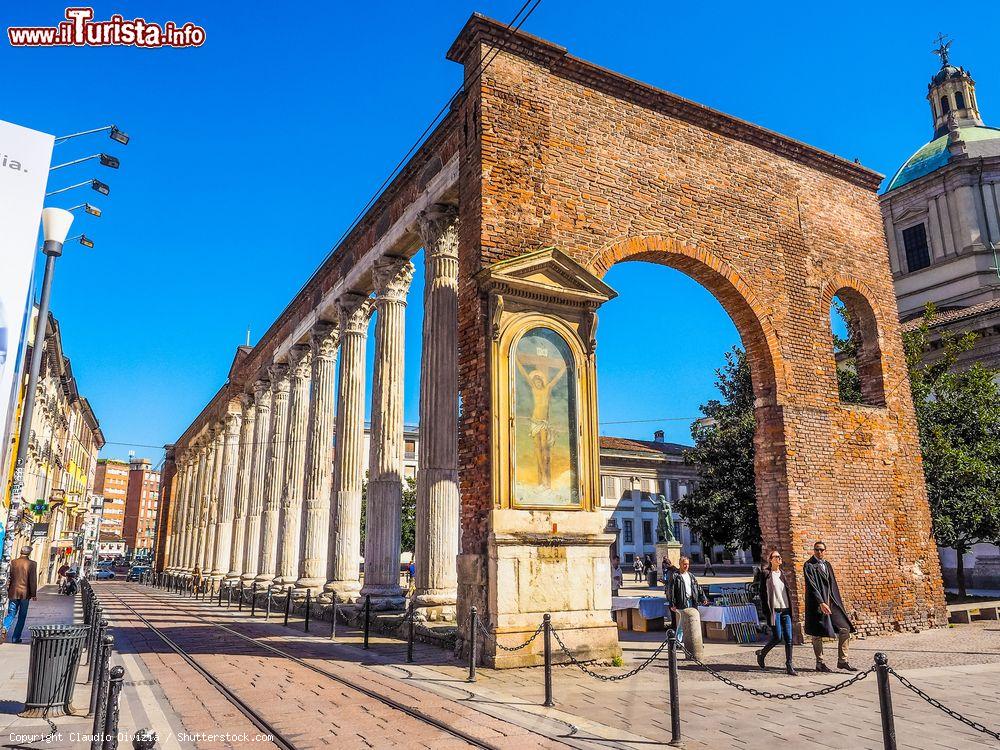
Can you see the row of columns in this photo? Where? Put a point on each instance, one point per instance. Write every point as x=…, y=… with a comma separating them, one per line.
x=272, y=493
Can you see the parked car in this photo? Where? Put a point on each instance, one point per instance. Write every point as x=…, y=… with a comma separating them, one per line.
x=136, y=572
x=105, y=574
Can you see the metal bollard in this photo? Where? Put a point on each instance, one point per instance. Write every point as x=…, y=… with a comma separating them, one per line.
x=675, y=701
x=308, y=607
x=267, y=616
x=229, y=597
x=288, y=605
x=368, y=617
x=253, y=598
x=220, y=593
x=473, y=620
x=239, y=596
x=885, y=701
x=547, y=653
x=112, y=709
x=409, y=637
x=333, y=620
x=100, y=691
x=95, y=661
x=144, y=739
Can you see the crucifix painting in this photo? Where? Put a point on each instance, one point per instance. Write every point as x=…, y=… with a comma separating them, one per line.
x=545, y=421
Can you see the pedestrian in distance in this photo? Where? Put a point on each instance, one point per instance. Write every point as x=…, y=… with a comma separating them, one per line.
x=709, y=568
x=775, y=601
x=637, y=568
x=669, y=571
x=616, y=575
x=21, y=589
x=685, y=596
x=826, y=615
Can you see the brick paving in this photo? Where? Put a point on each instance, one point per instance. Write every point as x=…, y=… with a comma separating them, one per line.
x=960, y=666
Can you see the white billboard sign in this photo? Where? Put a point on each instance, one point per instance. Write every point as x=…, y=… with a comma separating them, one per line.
x=25, y=157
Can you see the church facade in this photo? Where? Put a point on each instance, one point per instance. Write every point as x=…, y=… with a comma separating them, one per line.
x=941, y=211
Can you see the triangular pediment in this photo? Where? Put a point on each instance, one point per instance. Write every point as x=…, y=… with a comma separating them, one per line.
x=548, y=272
x=241, y=354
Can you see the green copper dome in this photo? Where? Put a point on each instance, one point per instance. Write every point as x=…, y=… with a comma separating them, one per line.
x=979, y=141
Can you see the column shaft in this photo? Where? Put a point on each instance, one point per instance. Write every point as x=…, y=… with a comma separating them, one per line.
x=437, y=513
x=385, y=465
x=258, y=473
x=177, y=510
x=194, y=506
x=213, y=484
x=319, y=459
x=227, y=492
x=300, y=367
x=275, y=475
x=348, y=475
x=243, y=468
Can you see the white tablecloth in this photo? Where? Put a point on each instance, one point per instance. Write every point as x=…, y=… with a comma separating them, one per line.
x=729, y=615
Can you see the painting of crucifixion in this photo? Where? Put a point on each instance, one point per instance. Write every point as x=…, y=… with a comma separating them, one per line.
x=545, y=421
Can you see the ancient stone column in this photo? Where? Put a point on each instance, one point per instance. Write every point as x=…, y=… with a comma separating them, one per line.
x=274, y=478
x=227, y=492
x=177, y=511
x=437, y=473
x=194, y=503
x=258, y=472
x=205, y=488
x=243, y=469
x=213, y=484
x=385, y=464
x=319, y=459
x=184, y=507
x=300, y=369
x=348, y=473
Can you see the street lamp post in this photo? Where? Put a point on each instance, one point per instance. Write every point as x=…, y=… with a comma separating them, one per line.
x=55, y=226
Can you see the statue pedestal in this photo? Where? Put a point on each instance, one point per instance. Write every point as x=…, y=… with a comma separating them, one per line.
x=670, y=550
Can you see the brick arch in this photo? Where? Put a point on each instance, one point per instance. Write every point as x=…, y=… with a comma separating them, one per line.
x=733, y=293
x=861, y=305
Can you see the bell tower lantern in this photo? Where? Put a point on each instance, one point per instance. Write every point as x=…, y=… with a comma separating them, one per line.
x=952, y=94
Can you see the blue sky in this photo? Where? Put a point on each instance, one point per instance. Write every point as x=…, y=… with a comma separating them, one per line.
x=250, y=155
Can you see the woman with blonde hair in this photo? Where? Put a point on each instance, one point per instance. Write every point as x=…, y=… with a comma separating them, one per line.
x=776, y=602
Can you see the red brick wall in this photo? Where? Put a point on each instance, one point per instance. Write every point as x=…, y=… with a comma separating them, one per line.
x=557, y=152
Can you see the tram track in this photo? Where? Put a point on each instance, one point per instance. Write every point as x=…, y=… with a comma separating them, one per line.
x=251, y=713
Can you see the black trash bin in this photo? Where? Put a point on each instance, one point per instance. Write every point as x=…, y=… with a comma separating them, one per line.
x=55, y=657
x=651, y=577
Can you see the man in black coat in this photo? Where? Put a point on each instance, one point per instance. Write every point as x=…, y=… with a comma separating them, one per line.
x=826, y=615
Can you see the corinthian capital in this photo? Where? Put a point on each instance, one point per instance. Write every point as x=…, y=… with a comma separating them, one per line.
x=325, y=338
x=354, y=311
x=278, y=373
x=234, y=419
x=262, y=394
x=438, y=229
x=300, y=361
x=392, y=279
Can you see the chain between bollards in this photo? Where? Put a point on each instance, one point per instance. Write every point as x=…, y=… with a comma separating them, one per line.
x=267, y=614
x=368, y=617
x=239, y=595
x=308, y=607
x=885, y=701
x=675, y=701
x=253, y=599
x=547, y=652
x=473, y=618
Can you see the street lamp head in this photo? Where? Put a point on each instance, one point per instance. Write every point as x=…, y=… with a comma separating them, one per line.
x=86, y=241
x=100, y=187
x=109, y=161
x=55, y=224
x=92, y=210
x=117, y=135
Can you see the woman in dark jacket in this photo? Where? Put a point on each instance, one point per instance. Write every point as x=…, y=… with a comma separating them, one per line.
x=776, y=603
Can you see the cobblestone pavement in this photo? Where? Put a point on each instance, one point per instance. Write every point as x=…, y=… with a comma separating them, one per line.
x=307, y=709
x=960, y=666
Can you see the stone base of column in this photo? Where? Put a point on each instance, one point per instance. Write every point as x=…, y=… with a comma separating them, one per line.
x=264, y=580
x=248, y=578
x=347, y=592
x=309, y=584
x=232, y=577
x=423, y=612
x=384, y=598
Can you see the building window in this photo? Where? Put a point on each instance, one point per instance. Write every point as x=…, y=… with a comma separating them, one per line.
x=915, y=244
x=627, y=531
x=608, y=484
x=959, y=100
x=647, y=532
x=945, y=106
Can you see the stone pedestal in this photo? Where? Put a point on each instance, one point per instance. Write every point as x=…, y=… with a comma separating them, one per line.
x=529, y=570
x=669, y=550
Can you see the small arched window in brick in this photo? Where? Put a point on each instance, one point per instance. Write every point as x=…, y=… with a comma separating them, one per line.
x=857, y=349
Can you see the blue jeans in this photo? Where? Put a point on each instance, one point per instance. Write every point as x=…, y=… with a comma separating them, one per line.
x=17, y=612
x=782, y=627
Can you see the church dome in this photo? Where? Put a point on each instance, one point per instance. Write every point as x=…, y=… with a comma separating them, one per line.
x=979, y=141
x=948, y=71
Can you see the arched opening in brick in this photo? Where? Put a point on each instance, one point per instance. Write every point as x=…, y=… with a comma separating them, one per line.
x=856, y=349
x=759, y=342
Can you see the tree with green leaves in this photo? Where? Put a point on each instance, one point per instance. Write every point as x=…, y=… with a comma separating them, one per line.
x=722, y=509
x=958, y=419
x=408, y=517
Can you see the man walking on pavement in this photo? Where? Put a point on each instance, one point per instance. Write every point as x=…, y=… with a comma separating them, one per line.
x=21, y=588
x=826, y=615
